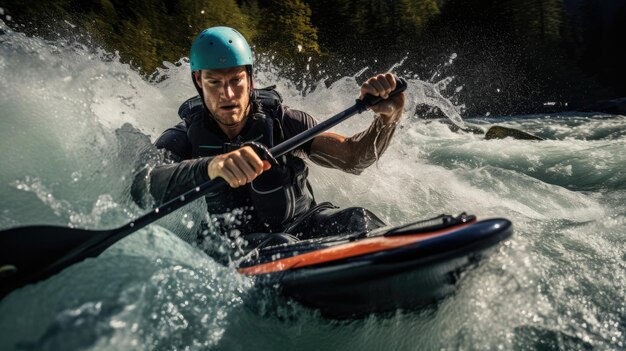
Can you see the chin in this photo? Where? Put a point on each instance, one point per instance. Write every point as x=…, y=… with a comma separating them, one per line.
x=231, y=119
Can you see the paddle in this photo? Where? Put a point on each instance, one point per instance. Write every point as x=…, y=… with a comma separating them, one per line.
x=30, y=254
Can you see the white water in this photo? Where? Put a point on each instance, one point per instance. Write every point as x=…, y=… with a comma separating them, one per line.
x=68, y=158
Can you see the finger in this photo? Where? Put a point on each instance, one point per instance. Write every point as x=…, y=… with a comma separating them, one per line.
x=385, y=86
x=266, y=165
x=253, y=159
x=229, y=176
x=371, y=87
x=377, y=86
x=247, y=170
x=366, y=88
x=391, y=79
x=238, y=176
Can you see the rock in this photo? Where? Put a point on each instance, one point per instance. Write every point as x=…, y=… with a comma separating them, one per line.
x=468, y=128
x=499, y=132
x=495, y=132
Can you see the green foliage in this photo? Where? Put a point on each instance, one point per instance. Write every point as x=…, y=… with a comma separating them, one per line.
x=251, y=9
x=287, y=29
x=147, y=32
x=536, y=20
x=144, y=32
x=365, y=25
x=412, y=18
x=532, y=50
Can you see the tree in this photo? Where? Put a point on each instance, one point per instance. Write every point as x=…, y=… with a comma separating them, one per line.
x=411, y=19
x=536, y=20
x=287, y=29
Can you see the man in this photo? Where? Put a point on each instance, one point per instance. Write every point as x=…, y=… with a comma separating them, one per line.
x=210, y=142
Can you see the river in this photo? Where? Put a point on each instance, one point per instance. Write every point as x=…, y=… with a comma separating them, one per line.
x=76, y=125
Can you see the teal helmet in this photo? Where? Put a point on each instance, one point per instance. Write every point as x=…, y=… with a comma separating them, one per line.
x=220, y=47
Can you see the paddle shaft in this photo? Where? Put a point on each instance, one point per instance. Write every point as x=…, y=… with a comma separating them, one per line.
x=30, y=254
x=214, y=184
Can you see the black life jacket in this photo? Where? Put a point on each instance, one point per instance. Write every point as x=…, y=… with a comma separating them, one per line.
x=276, y=196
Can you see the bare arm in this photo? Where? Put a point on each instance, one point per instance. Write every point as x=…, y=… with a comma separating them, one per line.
x=355, y=153
x=361, y=150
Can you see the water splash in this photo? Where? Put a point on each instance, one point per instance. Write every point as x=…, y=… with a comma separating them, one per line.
x=555, y=283
x=103, y=209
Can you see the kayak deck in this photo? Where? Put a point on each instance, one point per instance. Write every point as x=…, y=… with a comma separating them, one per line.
x=403, y=267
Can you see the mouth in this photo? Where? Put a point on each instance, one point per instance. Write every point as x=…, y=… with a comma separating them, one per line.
x=229, y=107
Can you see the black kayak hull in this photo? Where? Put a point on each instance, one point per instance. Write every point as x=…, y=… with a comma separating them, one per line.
x=405, y=277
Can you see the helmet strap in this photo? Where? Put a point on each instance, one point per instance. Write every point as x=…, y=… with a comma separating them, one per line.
x=251, y=81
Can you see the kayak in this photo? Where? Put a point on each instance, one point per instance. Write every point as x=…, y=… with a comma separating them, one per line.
x=353, y=275
x=344, y=276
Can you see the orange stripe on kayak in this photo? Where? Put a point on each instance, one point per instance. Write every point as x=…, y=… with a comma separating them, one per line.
x=357, y=248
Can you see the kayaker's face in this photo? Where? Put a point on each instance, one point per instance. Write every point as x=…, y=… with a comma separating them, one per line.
x=226, y=93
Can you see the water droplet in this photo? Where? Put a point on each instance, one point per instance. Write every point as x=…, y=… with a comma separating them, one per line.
x=76, y=176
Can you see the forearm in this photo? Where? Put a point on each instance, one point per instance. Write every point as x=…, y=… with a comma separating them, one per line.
x=357, y=152
x=165, y=182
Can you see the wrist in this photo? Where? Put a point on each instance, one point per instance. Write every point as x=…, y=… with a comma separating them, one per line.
x=211, y=171
x=387, y=120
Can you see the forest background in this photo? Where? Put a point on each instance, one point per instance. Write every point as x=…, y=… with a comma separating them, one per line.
x=509, y=56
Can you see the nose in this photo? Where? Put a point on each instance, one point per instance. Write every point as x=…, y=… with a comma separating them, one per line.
x=228, y=91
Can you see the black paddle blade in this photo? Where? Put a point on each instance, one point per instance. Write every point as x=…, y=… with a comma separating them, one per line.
x=30, y=254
